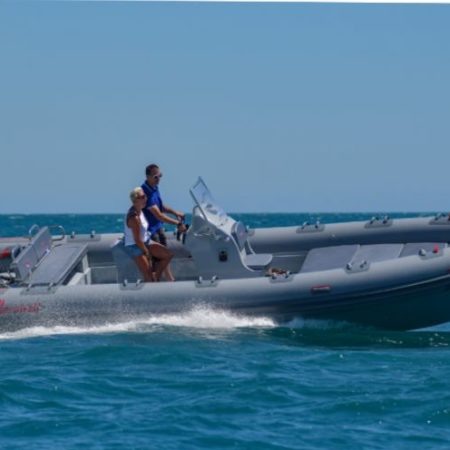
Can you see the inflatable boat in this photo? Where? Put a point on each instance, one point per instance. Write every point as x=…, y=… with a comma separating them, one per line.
x=384, y=273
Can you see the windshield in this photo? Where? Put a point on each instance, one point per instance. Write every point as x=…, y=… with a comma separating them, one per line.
x=205, y=201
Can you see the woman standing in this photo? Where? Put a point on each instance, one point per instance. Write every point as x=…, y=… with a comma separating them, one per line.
x=138, y=243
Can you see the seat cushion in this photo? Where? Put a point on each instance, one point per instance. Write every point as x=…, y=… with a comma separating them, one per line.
x=58, y=264
x=328, y=258
x=258, y=261
x=377, y=252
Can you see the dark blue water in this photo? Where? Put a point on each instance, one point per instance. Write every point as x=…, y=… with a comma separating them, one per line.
x=208, y=379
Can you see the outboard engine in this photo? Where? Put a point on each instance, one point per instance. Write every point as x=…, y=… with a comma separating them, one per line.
x=7, y=253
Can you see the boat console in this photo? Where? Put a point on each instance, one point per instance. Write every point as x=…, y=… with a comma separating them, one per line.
x=219, y=244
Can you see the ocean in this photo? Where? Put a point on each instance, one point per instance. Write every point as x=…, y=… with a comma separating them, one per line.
x=212, y=380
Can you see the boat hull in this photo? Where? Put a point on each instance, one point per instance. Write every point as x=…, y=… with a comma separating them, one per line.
x=401, y=292
x=407, y=307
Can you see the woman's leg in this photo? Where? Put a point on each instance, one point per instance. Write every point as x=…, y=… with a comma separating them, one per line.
x=145, y=267
x=163, y=256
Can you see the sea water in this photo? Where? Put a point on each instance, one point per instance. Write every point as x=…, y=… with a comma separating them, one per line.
x=209, y=379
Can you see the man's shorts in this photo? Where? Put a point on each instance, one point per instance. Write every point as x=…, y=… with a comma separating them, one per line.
x=160, y=237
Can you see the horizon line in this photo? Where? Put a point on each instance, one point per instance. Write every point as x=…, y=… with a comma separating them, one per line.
x=432, y=212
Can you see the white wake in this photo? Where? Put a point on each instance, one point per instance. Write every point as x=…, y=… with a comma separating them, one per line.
x=200, y=317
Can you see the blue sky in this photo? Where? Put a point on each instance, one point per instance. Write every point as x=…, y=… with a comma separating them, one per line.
x=280, y=107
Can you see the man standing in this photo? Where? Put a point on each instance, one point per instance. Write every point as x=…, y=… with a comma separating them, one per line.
x=156, y=212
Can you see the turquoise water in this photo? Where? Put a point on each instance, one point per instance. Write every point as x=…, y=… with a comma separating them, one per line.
x=208, y=379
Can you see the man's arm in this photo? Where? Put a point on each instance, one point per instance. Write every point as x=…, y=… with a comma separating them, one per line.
x=163, y=217
x=170, y=210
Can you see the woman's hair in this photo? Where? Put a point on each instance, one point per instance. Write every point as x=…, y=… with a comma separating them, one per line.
x=137, y=191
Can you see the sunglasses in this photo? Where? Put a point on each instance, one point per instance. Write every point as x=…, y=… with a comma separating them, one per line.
x=140, y=197
x=157, y=177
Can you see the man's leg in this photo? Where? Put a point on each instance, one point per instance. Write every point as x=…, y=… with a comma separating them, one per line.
x=163, y=255
x=160, y=237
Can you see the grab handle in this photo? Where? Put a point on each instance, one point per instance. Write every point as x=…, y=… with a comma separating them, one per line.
x=63, y=232
x=33, y=231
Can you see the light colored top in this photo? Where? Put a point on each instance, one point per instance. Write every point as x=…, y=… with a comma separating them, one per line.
x=143, y=228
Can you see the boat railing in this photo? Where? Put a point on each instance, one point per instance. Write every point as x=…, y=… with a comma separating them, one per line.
x=35, y=228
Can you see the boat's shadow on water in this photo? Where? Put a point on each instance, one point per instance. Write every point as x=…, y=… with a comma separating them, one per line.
x=344, y=335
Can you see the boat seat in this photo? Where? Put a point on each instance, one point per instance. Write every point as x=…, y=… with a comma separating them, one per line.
x=127, y=268
x=255, y=261
x=327, y=258
x=377, y=252
x=240, y=234
x=258, y=261
x=29, y=257
x=58, y=264
x=413, y=248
